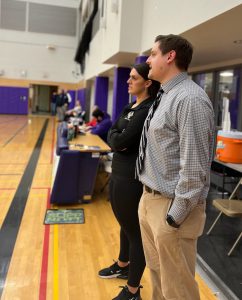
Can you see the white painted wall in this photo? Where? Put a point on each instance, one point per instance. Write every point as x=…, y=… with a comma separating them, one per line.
x=138, y=22
x=65, y=3
x=92, y=93
x=105, y=43
x=164, y=17
x=113, y=37
x=131, y=25
x=132, y=29
x=94, y=58
x=27, y=51
x=111, y=32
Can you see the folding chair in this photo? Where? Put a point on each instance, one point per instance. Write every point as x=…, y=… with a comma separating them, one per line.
x=231, y=208
x=107, y=165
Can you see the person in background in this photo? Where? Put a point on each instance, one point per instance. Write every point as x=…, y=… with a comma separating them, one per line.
x=125, y=190
x=53, y=103
x=93, y=121
x=103, y=124
x=69, y=99
x=175, y=155
x=60, y=107
x=66, y=99
x=76, y=110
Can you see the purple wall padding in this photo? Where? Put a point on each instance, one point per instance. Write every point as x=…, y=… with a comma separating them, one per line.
x=140, y=59
x=120, y=91
x=14, y=100
x=101, y=92
x=81, y=95
x=73, y=98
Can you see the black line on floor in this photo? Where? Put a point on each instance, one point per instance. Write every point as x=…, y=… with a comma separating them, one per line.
x=12, y=221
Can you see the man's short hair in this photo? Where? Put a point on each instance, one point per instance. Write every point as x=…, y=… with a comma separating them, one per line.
x=180, y=45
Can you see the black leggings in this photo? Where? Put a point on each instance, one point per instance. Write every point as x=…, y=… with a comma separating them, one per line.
x=125, y=195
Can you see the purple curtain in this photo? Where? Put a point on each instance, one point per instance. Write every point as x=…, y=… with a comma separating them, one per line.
x=120, y=91
x=101, y=92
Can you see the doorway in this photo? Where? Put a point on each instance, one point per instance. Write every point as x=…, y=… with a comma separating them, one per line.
x=40, y=96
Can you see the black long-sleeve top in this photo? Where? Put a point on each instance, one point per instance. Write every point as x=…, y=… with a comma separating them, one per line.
x=124, y=138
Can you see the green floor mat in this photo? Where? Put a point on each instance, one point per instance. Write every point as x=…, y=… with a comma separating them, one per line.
x=64, y=216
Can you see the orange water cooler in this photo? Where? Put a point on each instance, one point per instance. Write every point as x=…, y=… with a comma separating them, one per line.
x=229, y=146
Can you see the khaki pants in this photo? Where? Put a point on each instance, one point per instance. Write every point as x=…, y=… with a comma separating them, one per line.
x=170, y=252
x=60, y=113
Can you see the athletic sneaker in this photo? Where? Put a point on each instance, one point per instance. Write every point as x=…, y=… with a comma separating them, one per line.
x=114, y=271
x=126, y=295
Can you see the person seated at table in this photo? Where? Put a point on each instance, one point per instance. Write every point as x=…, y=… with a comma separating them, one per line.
x=104, y=123
x=93, y=121
x=75, y=111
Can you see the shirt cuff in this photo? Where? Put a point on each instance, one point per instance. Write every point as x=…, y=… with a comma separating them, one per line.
x=178, y=211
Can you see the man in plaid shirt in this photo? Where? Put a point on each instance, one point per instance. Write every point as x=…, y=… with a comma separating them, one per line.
x=174, y=166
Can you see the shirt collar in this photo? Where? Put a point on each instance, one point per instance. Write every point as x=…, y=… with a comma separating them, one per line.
x=143, y=103
x=174, y=81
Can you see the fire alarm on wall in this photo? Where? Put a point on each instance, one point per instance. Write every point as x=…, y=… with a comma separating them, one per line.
x=50, y=47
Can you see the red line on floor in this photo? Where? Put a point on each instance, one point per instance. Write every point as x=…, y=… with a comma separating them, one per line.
x=44, y=267
x=53, y=140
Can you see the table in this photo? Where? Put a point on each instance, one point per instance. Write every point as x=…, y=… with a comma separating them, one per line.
x=88, y=143
x=226, y=170
x=77, y=169
x=236, y=167
x=91, y=146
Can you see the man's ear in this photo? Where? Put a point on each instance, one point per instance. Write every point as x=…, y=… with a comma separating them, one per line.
x=171, y=56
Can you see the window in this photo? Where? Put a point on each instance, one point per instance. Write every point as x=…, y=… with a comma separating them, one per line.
x=228, y=90
x=205, y=80
x=221, y=85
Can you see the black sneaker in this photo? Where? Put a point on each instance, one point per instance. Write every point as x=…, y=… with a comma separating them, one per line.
x=125, y=294
x=114, y=271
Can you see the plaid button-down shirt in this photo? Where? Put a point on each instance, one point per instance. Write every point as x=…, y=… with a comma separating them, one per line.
x=179, y=148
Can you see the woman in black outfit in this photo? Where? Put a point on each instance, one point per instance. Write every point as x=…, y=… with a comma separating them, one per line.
x=125, y=190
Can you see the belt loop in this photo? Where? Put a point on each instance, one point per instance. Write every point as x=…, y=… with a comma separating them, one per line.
x=151, y=191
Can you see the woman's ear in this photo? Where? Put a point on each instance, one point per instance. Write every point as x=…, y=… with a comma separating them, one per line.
x=148, y=83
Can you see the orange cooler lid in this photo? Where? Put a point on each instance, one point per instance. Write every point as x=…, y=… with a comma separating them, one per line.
x=230, y=134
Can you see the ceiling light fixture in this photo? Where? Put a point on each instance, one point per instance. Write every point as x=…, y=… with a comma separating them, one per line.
x=226, y=74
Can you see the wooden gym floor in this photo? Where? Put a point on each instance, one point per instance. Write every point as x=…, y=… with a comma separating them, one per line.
x=59, y=261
